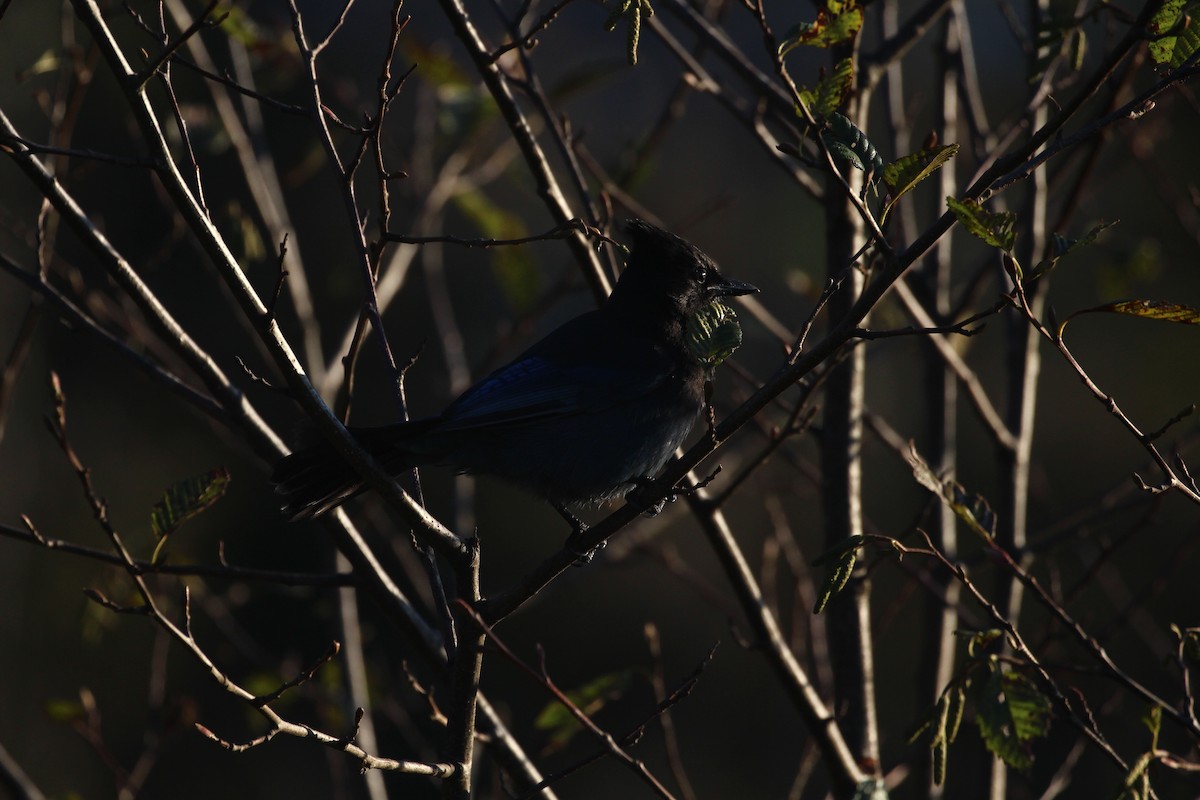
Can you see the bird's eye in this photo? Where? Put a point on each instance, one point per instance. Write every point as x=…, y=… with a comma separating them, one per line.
x=701, y=275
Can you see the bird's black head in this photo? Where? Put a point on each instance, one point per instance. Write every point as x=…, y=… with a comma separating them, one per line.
x=669, y=275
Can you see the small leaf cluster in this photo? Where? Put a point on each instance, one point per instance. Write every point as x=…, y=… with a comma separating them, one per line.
x=1174, y=35
x=995, y=228
x=838, y=21
x=1009, y=710
x=713, y=334
x=183, y=501
x=971, y=508
x=847, y=143
x=903, y=174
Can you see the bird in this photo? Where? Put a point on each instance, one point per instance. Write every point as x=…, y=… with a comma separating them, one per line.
x=584, y=416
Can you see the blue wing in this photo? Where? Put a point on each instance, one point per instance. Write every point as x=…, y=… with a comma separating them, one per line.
x=537, y=387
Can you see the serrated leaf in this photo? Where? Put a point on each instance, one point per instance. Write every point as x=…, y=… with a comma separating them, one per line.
x=1186, y=43
x=1163, y=29
x=713, y=334
x=557, y=720
x=847, y=142
x=971, y=508
x=844, y=152
x=1063, y=247
x=1147, y=309
x=1011, y=712
x=514, y=267
x=841, y=561
x=830, y=92
x=903, y=174
x=838, y=21
x=993, y=227
x=185, y=500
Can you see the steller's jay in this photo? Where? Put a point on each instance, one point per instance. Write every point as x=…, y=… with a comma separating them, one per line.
x=585, y=415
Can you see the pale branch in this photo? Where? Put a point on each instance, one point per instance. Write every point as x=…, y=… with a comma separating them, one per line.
x=565, y=230
x=548, y=187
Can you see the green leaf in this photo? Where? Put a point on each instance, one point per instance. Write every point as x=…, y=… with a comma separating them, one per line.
x=514, y=268
x=902, y=175
x=1147, y=309
x=1063, y=247
x=184, y=500
x=841, y=560
x=995, y=228
x=839, y=21
x=1187, y=43
x=713, y=334
x=971, y=508
x=830, y=91
x=1011, y=713
x=1164, y=29
x=848, y=143
x=561, y=724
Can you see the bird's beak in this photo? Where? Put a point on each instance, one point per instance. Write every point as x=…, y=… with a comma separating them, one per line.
x=729, y=287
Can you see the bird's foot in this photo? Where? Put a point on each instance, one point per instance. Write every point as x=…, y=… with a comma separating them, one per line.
x=575, y=542
x=643, y=484
x=641, y=492
x=583, y=553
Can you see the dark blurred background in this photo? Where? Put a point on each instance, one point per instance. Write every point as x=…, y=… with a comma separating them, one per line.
x=709, y=181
